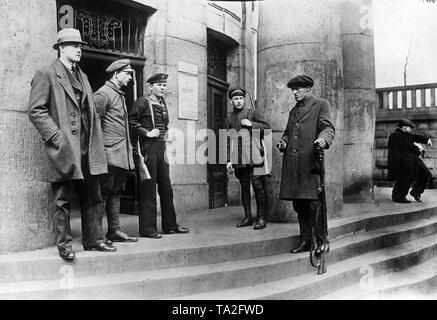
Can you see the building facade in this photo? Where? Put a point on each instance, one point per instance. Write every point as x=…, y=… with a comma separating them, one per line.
x=205, y=47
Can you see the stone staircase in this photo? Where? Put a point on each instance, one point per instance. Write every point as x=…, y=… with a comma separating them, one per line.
x=383, y=251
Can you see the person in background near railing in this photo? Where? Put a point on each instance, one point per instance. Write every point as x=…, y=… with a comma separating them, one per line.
x=309, y=124
x=111, y=106
x=404, y=163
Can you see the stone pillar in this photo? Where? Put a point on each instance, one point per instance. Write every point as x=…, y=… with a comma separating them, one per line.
x=295, y=38
x=176, y=33
x=359, y=99
x=28, y=33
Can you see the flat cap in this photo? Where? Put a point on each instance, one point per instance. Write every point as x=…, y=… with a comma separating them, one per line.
x=405, y=122
x=119, y=65
x=236, y=92
x=158, y=78
x=301, y=81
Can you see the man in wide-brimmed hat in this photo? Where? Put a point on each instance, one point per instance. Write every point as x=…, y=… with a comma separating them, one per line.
x=404, y=164
x=61, y=107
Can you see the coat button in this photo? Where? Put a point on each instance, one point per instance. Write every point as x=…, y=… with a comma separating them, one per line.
x=73, y=123
x=74, y=132
x=72, y=113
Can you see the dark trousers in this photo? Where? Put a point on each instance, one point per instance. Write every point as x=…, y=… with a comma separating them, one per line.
x=306, y=213
x=245, y=177
x=88, y=194
x=112, y=184
x=160, y=176
x=403, y=184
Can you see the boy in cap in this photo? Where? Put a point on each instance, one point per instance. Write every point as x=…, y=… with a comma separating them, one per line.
x=309, y=124
x=61, y=107
x=148, y=119
x=404, y=164
x=111, y=106
x=249, y=155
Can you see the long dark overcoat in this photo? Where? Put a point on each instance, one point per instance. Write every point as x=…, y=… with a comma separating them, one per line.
x=307, y=122
x=55, y=113
x=111, y=107
x=403, y=154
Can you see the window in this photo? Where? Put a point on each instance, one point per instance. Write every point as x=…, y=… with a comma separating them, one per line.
x=112, y=27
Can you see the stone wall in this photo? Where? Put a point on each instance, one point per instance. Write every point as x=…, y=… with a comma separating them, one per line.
x=27, y=36
x=295, y=39
x=359, y=99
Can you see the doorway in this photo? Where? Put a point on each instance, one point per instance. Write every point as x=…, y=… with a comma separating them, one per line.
x=217, y=111
x=217, y=175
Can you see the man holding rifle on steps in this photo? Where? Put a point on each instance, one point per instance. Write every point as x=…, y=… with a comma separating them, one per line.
x=309, y=125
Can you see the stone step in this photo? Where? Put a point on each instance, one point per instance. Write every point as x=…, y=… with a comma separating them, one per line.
x=207, y=245
x=200, y=279
x=416, y=282
x=339, y=275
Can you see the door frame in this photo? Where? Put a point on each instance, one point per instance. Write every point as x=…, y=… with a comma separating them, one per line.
x=214, y=83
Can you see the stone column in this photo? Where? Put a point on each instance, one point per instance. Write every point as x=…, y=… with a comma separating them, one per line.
x=359, y=99
x=28, y=33
x=296, y=37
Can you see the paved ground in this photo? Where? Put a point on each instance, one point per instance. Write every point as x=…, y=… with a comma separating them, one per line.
x=217, y=226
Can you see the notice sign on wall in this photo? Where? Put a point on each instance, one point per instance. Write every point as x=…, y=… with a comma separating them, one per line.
x=188, y=84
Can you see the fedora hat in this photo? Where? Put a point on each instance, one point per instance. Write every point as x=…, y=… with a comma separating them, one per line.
x=68, y=35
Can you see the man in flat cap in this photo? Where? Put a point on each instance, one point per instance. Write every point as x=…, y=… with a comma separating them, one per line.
x=148, y=119
x=111, y=106
x=404, y=163
x=61, y=107
x=309, y=125
x=246, y=156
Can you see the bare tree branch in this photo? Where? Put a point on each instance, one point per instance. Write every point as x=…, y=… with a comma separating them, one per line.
x=406, y=61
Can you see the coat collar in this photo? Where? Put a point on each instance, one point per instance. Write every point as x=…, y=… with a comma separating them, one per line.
x=61, y=72
x=302, y=110
x=153, y=101
x=114, y=87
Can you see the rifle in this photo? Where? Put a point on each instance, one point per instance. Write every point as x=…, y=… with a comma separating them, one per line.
x=144, y=173
x=320, y=227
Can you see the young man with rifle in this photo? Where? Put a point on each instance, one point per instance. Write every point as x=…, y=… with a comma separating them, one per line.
x=148, y=119
x=246, y=156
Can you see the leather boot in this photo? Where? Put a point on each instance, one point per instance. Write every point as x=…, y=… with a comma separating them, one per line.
x=260, y=198
x=112, y=212
x=245, y=199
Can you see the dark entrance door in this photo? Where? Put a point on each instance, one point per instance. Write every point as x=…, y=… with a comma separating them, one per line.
x=217, y=111
x=217, y=176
